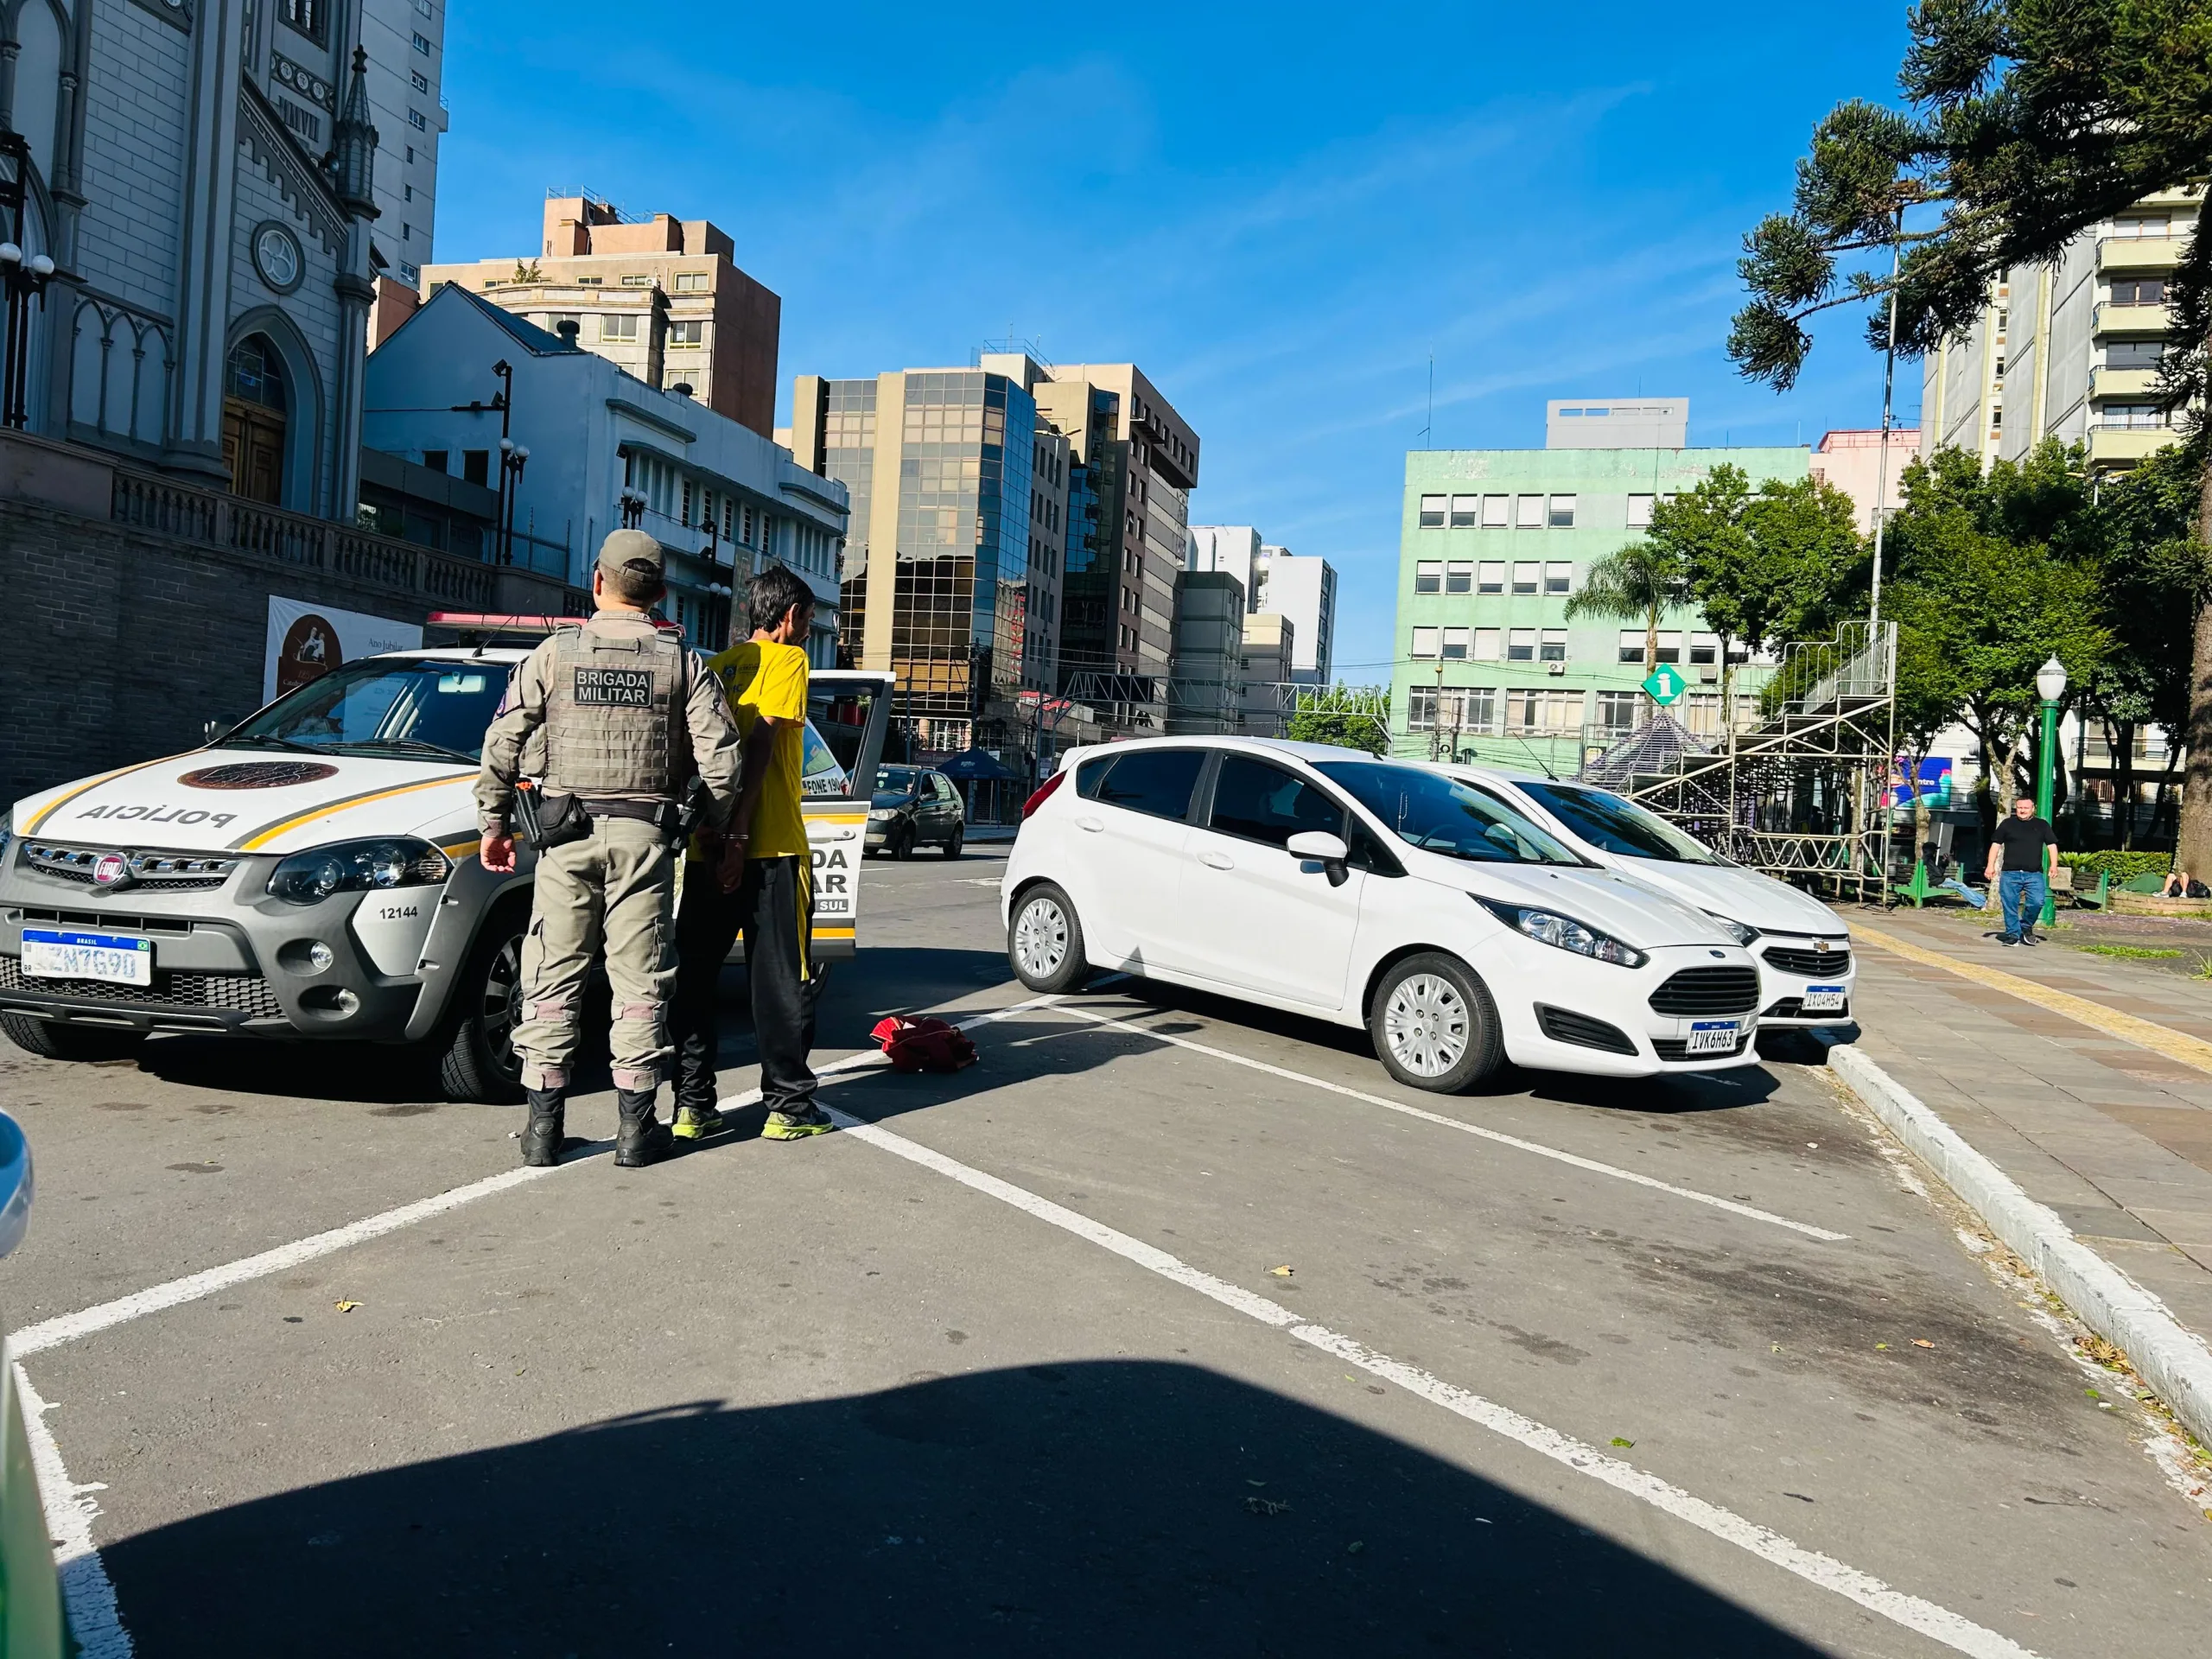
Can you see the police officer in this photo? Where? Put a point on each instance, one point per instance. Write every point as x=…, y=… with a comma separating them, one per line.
x=627, y=717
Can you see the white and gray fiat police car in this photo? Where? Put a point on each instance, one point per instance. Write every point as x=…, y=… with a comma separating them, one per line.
x=313, y=872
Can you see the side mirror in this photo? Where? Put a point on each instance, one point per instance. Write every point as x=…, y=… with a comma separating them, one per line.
x=211, y=730
x=1330, y=850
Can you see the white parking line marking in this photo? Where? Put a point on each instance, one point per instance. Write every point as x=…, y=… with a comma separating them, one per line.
x=1536, y=1147
x=86, y=1592
x=1937, y=1623
x=71, y=1327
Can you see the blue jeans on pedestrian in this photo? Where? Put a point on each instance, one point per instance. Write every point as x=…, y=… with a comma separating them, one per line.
x=2020, y=896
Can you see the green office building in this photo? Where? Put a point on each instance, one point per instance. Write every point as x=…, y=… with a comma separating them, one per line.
x=1487, y=665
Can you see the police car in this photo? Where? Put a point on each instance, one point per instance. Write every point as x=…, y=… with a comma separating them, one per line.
x=313, y=872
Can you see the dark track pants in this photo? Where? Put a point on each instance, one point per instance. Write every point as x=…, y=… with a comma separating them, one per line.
x=773, y=909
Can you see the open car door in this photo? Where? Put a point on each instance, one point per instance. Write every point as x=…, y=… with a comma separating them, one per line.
x=848, y=712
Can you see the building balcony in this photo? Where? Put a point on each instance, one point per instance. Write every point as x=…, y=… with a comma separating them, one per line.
x=2138, y=253
x=2182, y=196
x=2133, y=320
x=2124, y=445
x=2135, y=384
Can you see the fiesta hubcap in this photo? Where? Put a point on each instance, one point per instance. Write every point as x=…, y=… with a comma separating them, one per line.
x=1425, y=1023
x=1040, y=938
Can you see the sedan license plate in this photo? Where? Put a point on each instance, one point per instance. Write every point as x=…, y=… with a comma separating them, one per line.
x=1823, y=999
x=1713, y=1036
x=118, y=958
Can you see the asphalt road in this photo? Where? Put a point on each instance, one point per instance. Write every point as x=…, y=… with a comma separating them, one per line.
x=1165, y=1327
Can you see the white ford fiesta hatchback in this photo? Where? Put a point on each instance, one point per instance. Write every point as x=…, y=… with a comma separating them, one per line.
x=1802, y=947
x=1364, y=891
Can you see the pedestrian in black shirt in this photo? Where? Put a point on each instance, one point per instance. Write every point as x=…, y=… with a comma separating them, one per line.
x=2029, y=853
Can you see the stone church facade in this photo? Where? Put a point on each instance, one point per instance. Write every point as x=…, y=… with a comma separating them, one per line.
x=200, y=173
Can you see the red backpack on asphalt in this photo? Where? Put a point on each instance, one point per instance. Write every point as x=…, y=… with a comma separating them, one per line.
x=923, y=1045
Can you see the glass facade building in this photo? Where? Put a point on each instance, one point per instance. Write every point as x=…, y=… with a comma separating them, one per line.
x=959, y=536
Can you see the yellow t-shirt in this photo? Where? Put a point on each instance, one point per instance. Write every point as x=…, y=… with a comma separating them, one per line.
x=770, y=680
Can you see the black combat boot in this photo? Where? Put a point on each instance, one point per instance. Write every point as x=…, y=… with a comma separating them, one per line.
x=643, y=1138
x=541, y=1141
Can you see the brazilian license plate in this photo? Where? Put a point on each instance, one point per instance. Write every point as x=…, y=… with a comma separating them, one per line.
x=1713, y=1037
x=117, y=959
x=1823, y=999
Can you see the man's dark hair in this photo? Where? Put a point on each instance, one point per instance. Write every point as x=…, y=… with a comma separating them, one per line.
x=635, y=583
x=770, y=596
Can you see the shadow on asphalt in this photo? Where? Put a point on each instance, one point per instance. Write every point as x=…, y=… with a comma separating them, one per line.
x=1103, y=1507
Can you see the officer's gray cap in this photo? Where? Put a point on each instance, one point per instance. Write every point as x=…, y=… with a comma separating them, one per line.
x=623, y=550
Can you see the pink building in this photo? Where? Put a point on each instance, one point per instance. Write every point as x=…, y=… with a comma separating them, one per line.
x=1852, y=460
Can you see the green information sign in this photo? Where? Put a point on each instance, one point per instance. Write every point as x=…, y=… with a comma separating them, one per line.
x=1664, y=684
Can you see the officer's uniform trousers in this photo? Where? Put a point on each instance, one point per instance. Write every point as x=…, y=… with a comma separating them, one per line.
x=612, y=891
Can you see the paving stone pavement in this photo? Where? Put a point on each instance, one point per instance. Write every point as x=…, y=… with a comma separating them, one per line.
x=2114, y=1137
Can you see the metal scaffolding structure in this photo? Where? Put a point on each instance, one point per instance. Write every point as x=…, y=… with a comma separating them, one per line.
x=1803, y=794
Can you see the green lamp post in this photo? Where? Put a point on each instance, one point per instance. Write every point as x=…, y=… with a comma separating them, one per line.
x=2050, y=686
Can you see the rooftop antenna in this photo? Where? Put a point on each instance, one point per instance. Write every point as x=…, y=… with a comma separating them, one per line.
x=1427, y=432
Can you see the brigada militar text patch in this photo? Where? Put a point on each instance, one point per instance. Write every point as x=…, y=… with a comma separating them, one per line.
x=618, y=688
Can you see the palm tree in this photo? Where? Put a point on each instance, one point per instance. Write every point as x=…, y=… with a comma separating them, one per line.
x=1641, y=582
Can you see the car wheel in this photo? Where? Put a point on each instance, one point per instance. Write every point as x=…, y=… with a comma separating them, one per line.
x=1045, y=944
x=50, y=1040
x=1434, y=1026
x=479, y=1063
x=953, y=847
x=902, y=844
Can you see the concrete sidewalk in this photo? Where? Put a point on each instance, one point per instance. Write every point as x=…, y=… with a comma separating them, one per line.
x=2103, y=1112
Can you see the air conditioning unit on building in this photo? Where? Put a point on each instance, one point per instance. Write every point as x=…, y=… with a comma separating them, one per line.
x=1555, y=668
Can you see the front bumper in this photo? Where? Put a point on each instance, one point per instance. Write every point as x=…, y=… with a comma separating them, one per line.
x=1785, y=985
x=230, y=960
x=1576, y=1014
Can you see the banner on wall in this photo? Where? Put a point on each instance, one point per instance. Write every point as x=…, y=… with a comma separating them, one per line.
x=306, y=641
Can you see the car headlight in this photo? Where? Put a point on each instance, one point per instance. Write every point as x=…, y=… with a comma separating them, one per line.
x=309, y=878
x=1549, y=927
x=1740, y=932
x=879, y=815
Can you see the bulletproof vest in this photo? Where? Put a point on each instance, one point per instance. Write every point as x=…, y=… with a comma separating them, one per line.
x=614, y=719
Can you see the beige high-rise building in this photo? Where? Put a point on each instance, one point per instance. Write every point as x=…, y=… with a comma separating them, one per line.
x=662, y=297
x=2069, y=350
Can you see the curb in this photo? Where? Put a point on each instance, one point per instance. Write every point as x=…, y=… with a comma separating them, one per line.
x=2165, y=1353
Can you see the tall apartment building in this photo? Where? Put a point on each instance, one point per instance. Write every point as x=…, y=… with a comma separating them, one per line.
x=2071, y=349
x=662, y=298
x=1120, y=610
x=1492, y=543
x=1277, y=581
x=940, y=464
x=405, y=41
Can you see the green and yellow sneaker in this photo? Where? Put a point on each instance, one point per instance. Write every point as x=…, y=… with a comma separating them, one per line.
x=696, y=1122
x=795, y=1126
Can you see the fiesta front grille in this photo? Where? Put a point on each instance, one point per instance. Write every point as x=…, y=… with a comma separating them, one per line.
x=246, y=994
x=1564, y=1026
x=1814, y=964
x=1678, y=1048
x=1697, y=992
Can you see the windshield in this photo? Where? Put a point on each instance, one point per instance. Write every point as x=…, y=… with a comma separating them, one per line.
x=412, y=707
x=893, y=784
x=1619, y=826
x=1441, y=815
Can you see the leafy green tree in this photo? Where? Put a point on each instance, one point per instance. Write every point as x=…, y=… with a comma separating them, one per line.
x=1640, y=582
x=2025, y=123
x=1349, y=717
x=1987, y=591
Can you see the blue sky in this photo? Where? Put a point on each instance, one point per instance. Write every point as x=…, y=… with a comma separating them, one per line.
x=1279, y=212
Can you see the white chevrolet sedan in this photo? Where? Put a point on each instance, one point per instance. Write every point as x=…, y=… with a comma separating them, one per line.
x=1802, y=947
x=1368, y=893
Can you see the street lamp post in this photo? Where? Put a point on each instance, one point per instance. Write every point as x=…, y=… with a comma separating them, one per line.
x=2050, y=686
x=24, y=278
x=513, y=457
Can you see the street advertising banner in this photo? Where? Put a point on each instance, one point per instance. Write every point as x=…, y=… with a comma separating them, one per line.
x=306, y=641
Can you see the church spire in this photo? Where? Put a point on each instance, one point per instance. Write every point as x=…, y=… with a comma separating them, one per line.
x=353, y=145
